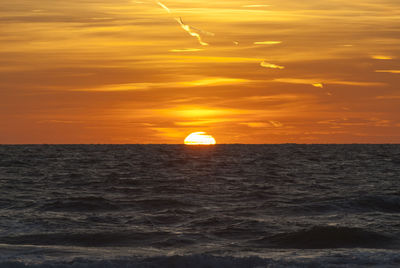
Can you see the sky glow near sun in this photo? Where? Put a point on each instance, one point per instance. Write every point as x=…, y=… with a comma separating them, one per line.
x=246, y=71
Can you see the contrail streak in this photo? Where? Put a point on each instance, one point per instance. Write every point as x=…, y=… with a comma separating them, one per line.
x=203, y=32
x=189, y=30
x=164, y=7
x=192, y=31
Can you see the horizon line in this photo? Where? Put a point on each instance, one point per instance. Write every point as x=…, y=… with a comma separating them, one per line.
x=286, y=143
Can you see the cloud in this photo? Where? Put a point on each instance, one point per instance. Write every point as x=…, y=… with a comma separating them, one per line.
x=202, y=122
x=200, y=112
x=189, y=30
x=351, y=122
x=168, y=132
x=186, y=50
x=388, y=71
x=299, y=81
x=255, y=6
x=164, y=7
x=358, y=84
x=270, y=65
x=256, y=124
x=319, y=85
x=217, y=59
x=276, y=123
x=333, y=82
x=381, y=57
x=214, y=81
x=279, y=97
x=267, y=43
x=267, y=124
x=208, y=81
x=388, y=97
x=53, y=121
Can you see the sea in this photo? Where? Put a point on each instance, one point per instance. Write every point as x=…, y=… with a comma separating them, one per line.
x=285, y=205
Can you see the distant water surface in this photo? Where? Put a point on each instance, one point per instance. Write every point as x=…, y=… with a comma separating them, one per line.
x=188, y=206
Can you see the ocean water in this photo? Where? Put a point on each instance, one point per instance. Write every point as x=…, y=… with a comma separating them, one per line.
x=182, y=206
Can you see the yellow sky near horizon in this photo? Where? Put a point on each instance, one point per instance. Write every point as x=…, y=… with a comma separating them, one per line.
x=97, y=71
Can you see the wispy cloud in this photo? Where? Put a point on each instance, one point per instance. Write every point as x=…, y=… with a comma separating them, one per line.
x=267, y=124
x=381, y=57
x=357, y=83
x=214, y=81
x=209, y=81
x=388, y=71
x=186, y=50
x=320, y=85
x=255, y=6
x=314, y=83
x=267, y=42
x=54, y=121
x=256, y=124
x=351, y=122
x=278, y=97
x=270, y=65
x=202, y=31
x=276, y=123
x=164, y=7
x=189, y=30
x=214, y=59
x=203, y=122
x=311, y=82
x=389, y=97
x=190, y=113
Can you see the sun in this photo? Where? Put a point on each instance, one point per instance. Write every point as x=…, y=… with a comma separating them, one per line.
x=199, y=138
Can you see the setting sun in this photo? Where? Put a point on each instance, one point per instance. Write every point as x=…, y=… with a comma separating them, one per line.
x=199, y=138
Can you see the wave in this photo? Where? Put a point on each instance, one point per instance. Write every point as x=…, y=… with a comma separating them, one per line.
x=87, y=203
x=384, y=203
x=97, y=239
x=319, y=237
x=389, y=203
x=163, y=203
x=354, y=259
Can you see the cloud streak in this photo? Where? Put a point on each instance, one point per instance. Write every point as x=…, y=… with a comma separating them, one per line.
x=333, y=82
x=205, y=82
x=271, y=65
x=164, y=7
x=190, y=31
x=388, y=71
x=255, y=6
x=267, y=42
x=319, y=85
x=186, y=50
x=381, y=57
x=267, y=124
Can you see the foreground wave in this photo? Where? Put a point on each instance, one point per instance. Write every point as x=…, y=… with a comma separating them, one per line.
x=342, y=259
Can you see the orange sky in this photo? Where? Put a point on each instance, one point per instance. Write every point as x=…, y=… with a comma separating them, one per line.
x=113, y=71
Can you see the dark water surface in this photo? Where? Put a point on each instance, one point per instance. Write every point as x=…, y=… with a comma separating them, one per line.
x=218, y=206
